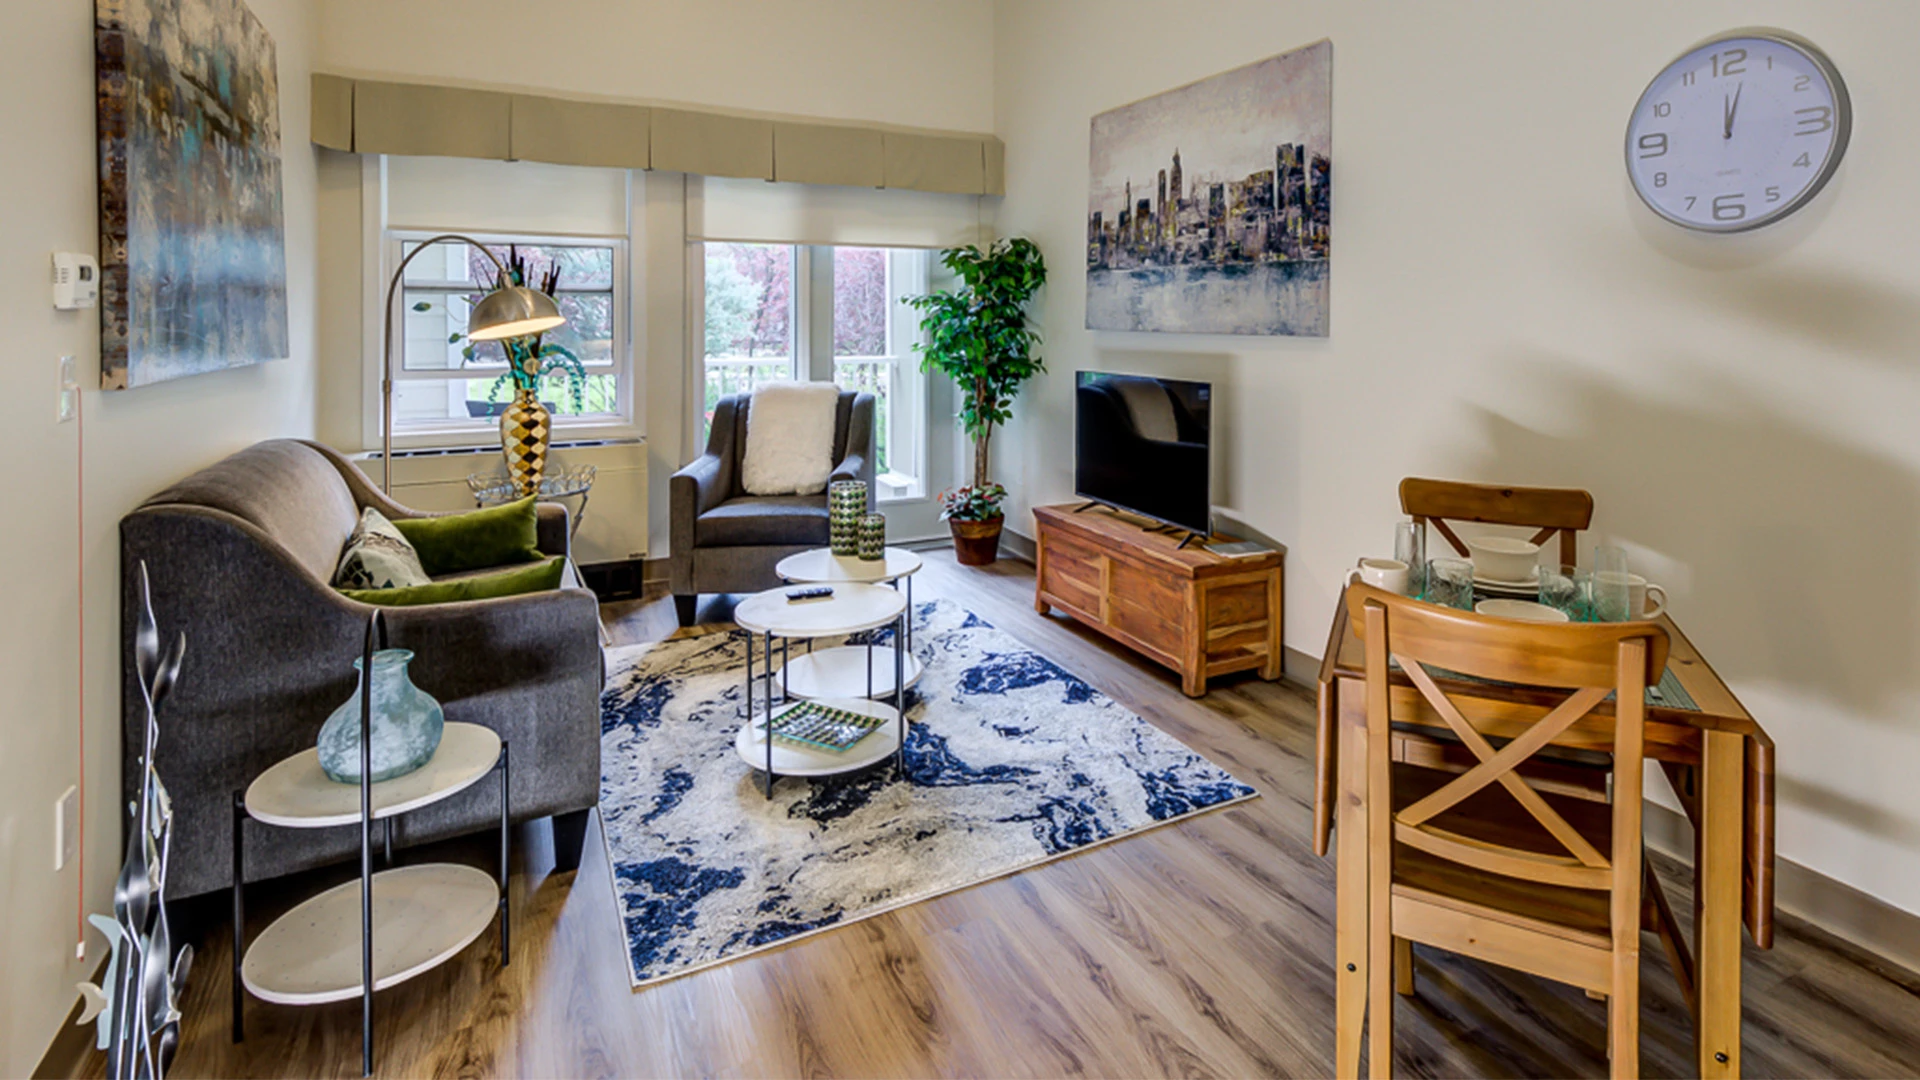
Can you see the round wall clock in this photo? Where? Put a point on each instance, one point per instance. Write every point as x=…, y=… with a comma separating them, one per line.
x=1740, y=131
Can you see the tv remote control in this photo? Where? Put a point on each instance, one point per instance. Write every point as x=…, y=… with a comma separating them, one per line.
x=819, y=593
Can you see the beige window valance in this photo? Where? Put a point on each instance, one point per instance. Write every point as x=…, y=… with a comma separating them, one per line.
x=370, y=116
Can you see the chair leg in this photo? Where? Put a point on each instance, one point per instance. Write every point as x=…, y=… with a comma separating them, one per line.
x=1623, y=1015
x=1380, y=985
x=683, y=606
x=569, y=840
x=1403, y=967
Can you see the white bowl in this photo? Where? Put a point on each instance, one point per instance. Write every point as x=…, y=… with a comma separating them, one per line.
x=1503, y=558
x=1523, y=610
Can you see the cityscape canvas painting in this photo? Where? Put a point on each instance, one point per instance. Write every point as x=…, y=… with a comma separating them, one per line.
x=1209, y=206
x=192, y=235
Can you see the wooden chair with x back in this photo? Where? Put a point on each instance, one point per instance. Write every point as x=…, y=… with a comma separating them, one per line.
x=1566, y=511
x=1523, y=878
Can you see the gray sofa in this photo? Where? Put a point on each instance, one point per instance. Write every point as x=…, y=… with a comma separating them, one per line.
x=240, y=556
x=724, y=540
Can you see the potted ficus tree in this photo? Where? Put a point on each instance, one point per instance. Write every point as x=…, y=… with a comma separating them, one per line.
x=978, y=336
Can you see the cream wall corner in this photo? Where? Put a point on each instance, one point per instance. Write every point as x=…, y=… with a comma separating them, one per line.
x=136, y=442
x=1503, y=308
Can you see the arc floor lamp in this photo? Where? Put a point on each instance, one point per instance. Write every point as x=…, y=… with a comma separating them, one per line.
x=508, y=311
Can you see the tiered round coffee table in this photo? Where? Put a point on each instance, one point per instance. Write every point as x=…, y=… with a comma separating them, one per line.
x=851, y=670
x=399, y=922
x=853, y=607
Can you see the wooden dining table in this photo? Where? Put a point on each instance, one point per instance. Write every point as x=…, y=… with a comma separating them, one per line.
x=1716, y=756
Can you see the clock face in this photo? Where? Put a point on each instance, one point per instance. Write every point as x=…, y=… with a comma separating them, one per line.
x=1739, y=132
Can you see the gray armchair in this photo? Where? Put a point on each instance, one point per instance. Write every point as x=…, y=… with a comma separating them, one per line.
x=723, y=540
x=240, y=555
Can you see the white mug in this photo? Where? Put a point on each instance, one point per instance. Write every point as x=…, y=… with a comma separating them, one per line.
x=1388, y=574
x=1639, y=592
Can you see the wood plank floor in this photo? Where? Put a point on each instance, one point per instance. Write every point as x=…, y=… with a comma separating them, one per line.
x=1204, y=948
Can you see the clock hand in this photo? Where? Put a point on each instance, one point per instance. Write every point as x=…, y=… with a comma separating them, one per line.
x=1733, y=106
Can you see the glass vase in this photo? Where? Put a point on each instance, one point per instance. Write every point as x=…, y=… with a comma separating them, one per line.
x=407, y=724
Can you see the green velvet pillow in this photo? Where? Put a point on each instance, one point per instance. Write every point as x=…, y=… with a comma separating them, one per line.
x=539, y=577
x=476, y=540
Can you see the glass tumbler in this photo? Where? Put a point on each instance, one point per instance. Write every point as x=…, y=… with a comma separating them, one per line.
x=1410, y=547
x=1611, y=587
x=1566, y=589
x=1450, y=583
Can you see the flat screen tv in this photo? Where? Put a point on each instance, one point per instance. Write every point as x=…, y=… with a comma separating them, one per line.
x=1142, y=444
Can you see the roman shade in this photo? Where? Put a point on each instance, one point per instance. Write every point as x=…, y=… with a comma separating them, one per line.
x=749, y=211
x=371, y=116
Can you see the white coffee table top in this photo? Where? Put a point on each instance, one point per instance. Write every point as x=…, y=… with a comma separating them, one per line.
x=822, y=565
x=853, y=607
x=295, y=794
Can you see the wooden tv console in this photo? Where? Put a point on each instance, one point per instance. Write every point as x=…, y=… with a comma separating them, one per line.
x=1198, y=613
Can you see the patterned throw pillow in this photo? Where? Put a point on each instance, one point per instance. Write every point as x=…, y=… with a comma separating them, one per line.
x=378, y=557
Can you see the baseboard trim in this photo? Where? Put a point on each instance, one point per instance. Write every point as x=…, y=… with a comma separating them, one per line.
x=67, y=1053
x=1888, y=933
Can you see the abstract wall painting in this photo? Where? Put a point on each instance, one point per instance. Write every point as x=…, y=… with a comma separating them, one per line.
x=1209, y=206
x=192, y=228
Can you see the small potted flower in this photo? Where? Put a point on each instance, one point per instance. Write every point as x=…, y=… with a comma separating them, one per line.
x=974, y=514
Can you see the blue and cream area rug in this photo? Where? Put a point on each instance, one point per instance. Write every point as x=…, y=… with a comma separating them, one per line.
x=1011, y=762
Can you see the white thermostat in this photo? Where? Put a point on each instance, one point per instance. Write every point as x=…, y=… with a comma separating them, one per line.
x=76, y=280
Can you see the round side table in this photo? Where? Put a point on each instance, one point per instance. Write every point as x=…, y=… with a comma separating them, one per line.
x=853, y=607
x=418, y=916
x=845, y=670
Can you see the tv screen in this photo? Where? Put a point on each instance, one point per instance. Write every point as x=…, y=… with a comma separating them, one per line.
x=1141, y=444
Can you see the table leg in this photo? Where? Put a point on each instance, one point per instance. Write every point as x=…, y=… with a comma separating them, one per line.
x=506, y=853
x=909, y=634
x=1717, y=903
x=900, y=696
x=239, y=915
x=785, y=694
x=769, y=696
x=869, y=665
x=1350, y=888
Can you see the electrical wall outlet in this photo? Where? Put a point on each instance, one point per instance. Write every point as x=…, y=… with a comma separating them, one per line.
x=66, y=829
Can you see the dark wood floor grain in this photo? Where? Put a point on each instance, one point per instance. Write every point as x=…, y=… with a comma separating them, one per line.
x=1204, y=948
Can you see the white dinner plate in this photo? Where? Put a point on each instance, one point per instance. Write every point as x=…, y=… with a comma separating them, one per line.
x=1523, y=610
x=1527, y=585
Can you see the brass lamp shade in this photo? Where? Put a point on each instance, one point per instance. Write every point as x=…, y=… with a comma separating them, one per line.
x=512, y=311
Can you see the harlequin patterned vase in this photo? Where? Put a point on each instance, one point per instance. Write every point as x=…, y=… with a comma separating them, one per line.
x=846, y=503
x=873, y=537
x=525, y=429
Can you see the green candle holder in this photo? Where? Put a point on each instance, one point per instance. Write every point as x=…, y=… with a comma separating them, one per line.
x=873, y=537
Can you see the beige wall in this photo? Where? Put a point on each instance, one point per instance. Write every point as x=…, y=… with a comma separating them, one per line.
x=137, y=441
x=924, y=62
x=1503, y=308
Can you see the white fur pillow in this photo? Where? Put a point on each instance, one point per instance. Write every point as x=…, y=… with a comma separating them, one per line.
x=790, y=438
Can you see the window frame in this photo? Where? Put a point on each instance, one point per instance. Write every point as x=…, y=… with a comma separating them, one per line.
x=482, y=431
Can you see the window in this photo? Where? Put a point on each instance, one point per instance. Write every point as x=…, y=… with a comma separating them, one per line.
x=444, y=384
x=823, y=313
x=749, y=320
x=873, y=335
